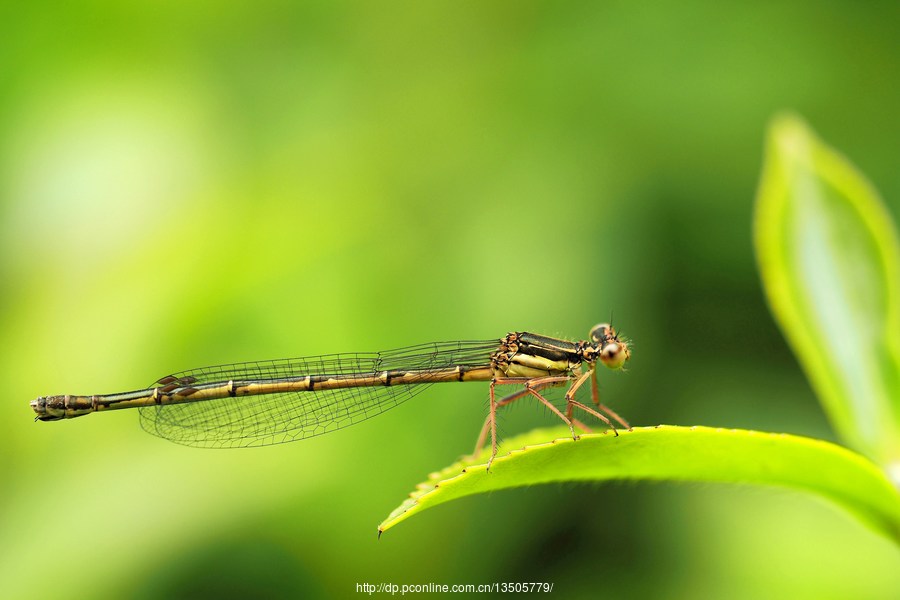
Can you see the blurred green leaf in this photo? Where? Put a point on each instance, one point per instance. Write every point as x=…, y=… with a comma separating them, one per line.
x=667, y=453
x=830, y=265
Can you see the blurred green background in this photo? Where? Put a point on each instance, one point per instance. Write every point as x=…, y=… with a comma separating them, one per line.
x=185, y=184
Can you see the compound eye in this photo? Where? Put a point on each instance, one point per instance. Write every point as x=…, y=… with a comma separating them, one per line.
x=614, y=355
x=602, y=332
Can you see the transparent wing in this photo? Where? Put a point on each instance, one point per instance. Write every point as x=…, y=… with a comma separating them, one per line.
x=260, y=420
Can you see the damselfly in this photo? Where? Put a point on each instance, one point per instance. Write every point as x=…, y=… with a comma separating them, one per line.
x=270, y=402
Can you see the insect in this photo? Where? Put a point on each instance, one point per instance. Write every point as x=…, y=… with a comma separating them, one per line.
x=271, y=402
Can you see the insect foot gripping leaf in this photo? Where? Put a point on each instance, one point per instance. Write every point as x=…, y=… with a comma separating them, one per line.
x=830, y=265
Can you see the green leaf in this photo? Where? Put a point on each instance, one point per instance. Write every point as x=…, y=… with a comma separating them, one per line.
x=667, y=453
x=830, y=265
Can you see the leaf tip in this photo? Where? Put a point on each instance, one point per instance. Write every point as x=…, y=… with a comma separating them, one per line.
x=790, y=139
